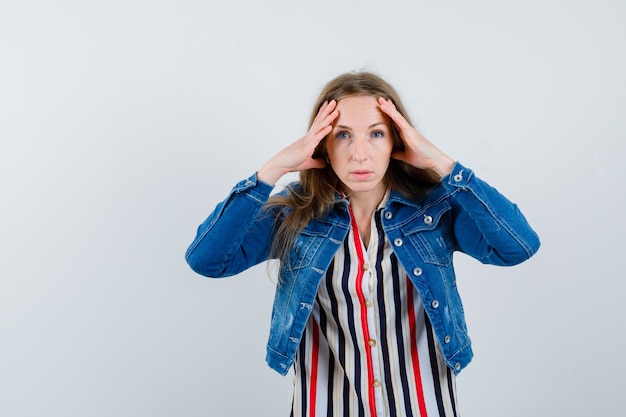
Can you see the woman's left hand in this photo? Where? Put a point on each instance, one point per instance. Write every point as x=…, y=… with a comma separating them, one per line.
x=419, y=151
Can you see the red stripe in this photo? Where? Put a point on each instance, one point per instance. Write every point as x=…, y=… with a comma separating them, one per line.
x=314, y=358
x=414, y=355
x=364, y=324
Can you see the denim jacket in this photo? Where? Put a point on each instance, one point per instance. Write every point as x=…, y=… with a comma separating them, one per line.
x=461, y=213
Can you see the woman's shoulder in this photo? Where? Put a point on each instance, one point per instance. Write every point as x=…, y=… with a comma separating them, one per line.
x=428, y=196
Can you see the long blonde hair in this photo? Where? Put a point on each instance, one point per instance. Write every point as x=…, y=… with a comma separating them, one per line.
x=317, y=190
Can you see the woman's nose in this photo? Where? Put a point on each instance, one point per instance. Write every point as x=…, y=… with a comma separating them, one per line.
x=359, y=149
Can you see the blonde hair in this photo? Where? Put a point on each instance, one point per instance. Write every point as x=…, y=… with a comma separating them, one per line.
x=317, y=190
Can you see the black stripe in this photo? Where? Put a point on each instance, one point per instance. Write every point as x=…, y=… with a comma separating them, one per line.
x=382, y=317
x=451, y=391
x=347, y=266
x=434, y=366
x=331, y=362
x=402, y=362
x=303, y=378
x=341, y=337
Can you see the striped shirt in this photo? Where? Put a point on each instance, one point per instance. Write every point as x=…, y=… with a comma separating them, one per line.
x=368, y=348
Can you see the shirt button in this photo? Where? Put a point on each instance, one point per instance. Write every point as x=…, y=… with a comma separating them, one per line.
x=398, y=242
x=446, y=339
x=417, y=271
x=435, y=304
x=376, y=383
x=371, y=342
x=388, y=215
x=369, y=303
x=365, y=267
x=428, y=219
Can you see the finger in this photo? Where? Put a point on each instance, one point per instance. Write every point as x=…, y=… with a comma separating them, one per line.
x=409, y=135
x=390, y=110
x=312, y=139
x=330, y=115
x=311, y=163
x=323, y=132
x=324, y=127
x=317, y=163
x=325, y=110
x=330, y=118
x=399, y=155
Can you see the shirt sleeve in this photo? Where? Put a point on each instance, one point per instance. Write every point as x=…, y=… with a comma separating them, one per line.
x=236, y=235
x=487, y=226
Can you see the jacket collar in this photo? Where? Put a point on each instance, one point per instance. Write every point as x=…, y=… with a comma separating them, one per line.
x=431, y=196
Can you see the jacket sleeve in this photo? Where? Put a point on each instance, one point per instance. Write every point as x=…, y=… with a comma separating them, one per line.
x=487, y=226
x=236, y=235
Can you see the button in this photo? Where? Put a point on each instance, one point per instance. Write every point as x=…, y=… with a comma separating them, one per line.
x=365, y=267
x=459, y=177
x=388, y=215
x=369, y=303
x=428, y=219
x=417, y=271
x=457, y=366
x=376, y=383
x=371, y=342
x=446, y=339
x=398, y=242
x=435, y=304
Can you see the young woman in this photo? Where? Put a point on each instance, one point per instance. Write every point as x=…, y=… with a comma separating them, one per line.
x=366, y=310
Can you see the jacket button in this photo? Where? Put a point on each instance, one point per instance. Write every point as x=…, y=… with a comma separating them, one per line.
x=435, y=304
x=417, y=271
x=428, y=219
x=458, y=177
x=388, y=215
x=398, y=242
x=446, y=339
x=457, y=366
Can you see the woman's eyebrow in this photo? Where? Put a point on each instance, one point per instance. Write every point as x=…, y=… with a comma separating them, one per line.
x=344, y=127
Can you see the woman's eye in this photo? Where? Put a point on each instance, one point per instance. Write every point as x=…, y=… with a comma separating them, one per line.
x=342, y=135
x=378, y=134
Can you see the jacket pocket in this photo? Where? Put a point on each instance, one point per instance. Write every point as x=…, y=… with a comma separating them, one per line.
x=428, y=233
x=305, y=247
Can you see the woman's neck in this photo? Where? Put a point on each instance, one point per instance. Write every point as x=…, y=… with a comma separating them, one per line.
x=363, y=206
x=364, y=203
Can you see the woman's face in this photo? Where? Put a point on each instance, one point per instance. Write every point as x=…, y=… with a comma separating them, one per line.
x=359, y=146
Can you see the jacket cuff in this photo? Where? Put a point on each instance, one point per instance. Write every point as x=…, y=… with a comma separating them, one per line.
x=254, y=187
x=458, y=179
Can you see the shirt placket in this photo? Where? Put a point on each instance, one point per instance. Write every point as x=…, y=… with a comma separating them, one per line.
x=369, y=290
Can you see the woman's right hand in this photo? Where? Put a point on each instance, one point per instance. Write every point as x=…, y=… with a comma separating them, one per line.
x=299, y=155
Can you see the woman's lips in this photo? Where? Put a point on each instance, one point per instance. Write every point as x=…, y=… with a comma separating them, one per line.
x=361, y=174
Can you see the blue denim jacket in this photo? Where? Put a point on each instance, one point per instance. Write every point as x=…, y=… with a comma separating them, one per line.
x=462, y=213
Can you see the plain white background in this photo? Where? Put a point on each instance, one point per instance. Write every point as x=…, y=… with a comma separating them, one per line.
x=122, y=124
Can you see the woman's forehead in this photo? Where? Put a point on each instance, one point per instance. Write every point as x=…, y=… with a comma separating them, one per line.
x=359, y=110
